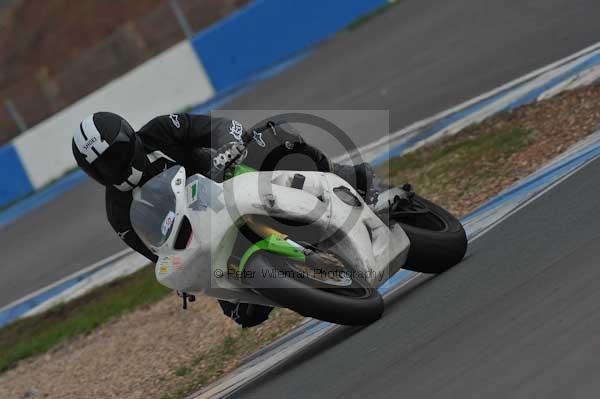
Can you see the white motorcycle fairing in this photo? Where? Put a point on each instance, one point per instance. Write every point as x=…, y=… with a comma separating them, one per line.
x=215, y=210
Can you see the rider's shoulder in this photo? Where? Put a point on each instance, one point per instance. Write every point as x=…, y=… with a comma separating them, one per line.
x=158, y=122
x=170, y=125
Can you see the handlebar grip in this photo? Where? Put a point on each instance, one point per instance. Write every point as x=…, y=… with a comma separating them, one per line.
x=222, y=161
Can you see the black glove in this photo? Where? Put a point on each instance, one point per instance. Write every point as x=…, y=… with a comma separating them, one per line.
x=232, y=153
x=227, y=155
x=246, y=314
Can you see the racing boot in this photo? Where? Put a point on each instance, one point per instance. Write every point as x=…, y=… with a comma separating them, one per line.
x=377, y=194
x=360, y=177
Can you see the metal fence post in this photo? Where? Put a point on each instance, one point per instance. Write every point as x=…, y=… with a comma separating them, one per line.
x=14, y=114
x=181, y=18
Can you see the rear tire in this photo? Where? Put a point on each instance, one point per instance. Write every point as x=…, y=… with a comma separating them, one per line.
x=437, y=239
x=358, y=304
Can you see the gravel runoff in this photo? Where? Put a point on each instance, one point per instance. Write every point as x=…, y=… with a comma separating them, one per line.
x=136, y=356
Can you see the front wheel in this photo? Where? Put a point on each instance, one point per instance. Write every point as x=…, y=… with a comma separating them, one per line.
x=437, y=238
x=320, y=287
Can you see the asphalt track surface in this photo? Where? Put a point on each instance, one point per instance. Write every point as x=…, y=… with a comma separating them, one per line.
x=518, y=318
x=417, y=59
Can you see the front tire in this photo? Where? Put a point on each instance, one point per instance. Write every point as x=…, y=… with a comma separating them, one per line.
x=353, y=304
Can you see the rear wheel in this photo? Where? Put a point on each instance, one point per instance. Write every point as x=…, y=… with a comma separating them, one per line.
x=321, y=287
x=437, y=238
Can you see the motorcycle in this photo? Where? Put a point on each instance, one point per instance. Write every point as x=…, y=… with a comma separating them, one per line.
x=302, y=240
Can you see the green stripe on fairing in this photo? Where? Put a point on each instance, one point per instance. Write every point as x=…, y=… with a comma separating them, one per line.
x=274, y=245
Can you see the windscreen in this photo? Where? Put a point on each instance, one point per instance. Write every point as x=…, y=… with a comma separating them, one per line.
x=153, y=208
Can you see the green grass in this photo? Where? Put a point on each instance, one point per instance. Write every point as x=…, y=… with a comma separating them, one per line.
x=463, y=150
x=460, y=166
x=182, y=371
x=38, y=334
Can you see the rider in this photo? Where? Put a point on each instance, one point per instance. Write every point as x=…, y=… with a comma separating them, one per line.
x=108, y=149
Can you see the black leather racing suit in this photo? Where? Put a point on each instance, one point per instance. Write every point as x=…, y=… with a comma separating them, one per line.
x=186, y=140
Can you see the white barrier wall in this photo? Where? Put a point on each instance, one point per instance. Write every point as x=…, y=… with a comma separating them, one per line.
x=167, y=83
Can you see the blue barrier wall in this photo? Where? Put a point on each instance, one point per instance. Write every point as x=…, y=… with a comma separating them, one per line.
x=14, y=182
x=268, y=31
x=260, y=35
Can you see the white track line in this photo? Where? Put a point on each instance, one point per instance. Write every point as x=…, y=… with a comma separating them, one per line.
x=416, y=126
